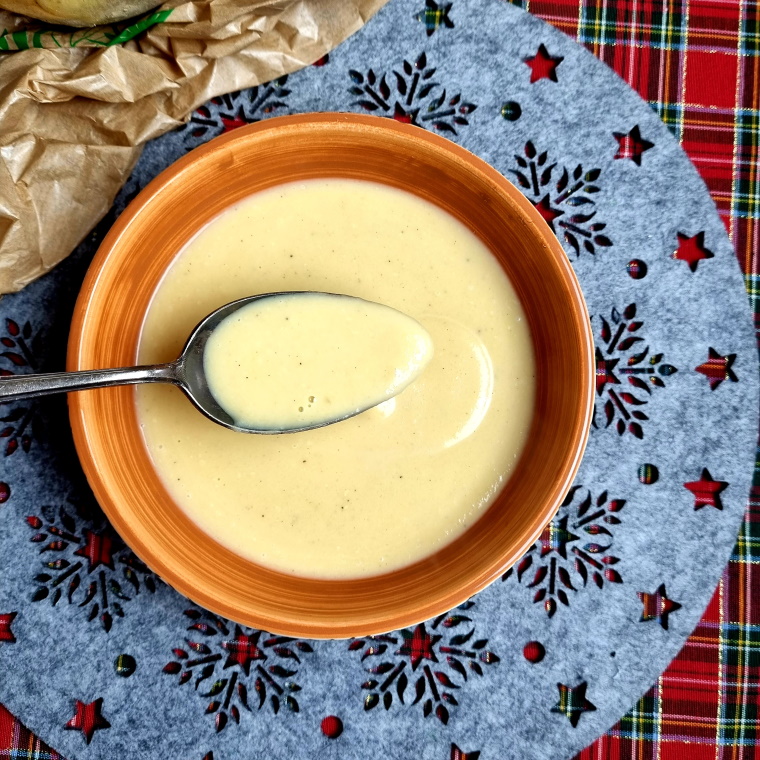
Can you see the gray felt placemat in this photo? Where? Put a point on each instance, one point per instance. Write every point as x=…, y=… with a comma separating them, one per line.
x=614, y=586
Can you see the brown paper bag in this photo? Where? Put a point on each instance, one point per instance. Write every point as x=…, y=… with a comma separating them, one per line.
x=76, y=106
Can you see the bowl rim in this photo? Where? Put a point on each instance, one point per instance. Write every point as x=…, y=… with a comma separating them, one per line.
x=498, y=564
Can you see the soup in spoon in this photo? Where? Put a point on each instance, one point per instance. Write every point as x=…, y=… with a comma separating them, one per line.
x=296, y=360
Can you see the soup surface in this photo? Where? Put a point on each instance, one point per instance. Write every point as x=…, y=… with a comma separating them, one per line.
x=396, y=483
x=286, y=362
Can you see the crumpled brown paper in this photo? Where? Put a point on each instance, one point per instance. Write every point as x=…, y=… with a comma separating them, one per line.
x=73, y=119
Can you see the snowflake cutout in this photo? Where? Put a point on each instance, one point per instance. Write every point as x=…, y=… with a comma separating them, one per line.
x=245, y=655
x=560, y=559
x=19, y=347
x=436, y=663
x=411, y=97
x=618, y=354
x=227, y=112
x=91, y=568
x=565, y=198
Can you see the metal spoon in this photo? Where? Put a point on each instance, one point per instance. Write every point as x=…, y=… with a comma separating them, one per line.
x=186, y=372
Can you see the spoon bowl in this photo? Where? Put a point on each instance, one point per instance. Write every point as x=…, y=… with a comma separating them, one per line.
x=191, y=375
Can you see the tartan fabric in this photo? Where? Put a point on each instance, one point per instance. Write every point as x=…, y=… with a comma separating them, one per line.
x=572, y=702
x=697, y=63
x=631, y=145
x=657, y=606
x=435, y=15
x=692, y=250
x=706, y=703
x=706, y=491
x=18, y=743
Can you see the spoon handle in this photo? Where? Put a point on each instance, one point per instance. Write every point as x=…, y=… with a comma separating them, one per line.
x=26, y=386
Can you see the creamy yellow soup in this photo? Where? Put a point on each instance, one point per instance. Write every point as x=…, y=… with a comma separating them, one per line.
x=391, y=485
x=287, y=362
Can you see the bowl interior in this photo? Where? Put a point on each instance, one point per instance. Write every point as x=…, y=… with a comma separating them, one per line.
x=142, y=244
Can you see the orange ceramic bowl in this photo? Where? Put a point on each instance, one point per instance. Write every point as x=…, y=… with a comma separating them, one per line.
x=141, y=246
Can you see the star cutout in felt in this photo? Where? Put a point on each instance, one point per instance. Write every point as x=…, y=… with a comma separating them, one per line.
x=555, y=538
x=706, y=491
x=717, y=368
x=6, y=634
x=435, y=15
x=542, y=65
x=604, y=372
x=98, y=549
x=418, y=645
x=657, y=606
x=632, y=145
x=547, y=212
x=572, y=702
x=243, y=650
x=88, y=719
x=692, y=250
x=457, y=754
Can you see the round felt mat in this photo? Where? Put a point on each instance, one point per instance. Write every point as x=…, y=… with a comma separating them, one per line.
x=102, y=660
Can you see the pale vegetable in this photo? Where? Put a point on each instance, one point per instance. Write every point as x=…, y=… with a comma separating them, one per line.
x=79, y=12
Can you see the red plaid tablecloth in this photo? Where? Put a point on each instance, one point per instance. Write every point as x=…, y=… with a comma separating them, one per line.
x=698, y=65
